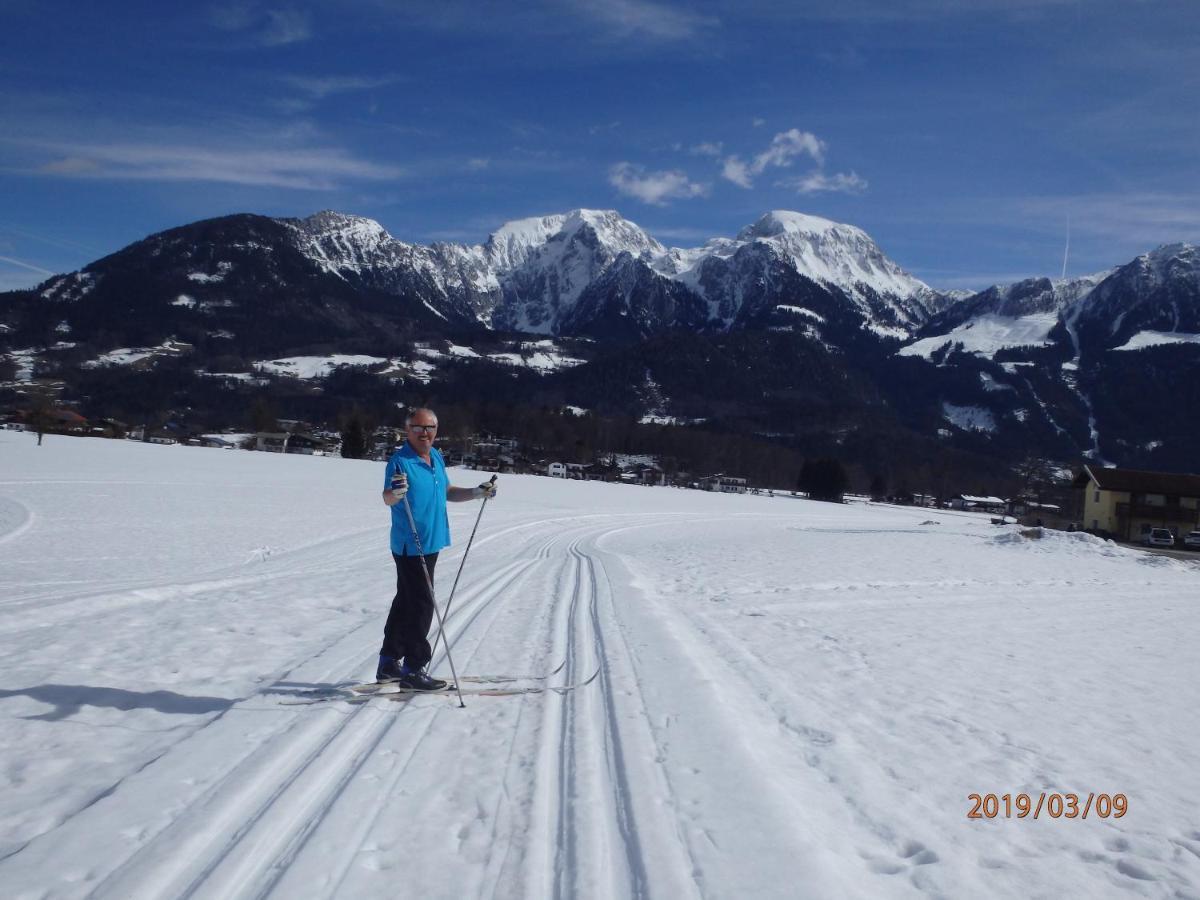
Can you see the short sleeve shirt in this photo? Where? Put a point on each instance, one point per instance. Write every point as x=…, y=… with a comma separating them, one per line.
x=427, y=486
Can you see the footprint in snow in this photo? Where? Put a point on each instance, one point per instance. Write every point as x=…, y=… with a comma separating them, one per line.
x=911, y=855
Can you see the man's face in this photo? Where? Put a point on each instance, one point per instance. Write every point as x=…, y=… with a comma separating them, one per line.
x=422, y=429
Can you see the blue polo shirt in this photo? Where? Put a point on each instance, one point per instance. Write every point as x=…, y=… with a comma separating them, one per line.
x=427, y=485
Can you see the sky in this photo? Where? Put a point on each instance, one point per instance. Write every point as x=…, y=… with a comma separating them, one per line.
x=967, y=137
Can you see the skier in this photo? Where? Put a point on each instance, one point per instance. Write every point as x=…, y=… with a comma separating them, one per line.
x=418, y=472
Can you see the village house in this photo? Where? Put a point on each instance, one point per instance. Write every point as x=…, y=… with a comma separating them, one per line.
x=725, y=484
x=271, y=441
x=978, y=503
x=1127, y=503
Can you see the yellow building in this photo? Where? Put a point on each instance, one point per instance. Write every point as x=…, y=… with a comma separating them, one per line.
x=1127, y=503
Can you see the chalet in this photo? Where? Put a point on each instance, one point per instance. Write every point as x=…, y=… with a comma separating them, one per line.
x=1127, y=503
x=725, y=484
x=215, y=440
x=271, y=441
x=978, y=504
x=305, y=444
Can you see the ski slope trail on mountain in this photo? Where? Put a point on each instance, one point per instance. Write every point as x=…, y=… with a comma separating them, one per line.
x=793, y=699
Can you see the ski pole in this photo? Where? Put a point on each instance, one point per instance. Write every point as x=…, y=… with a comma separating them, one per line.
x=412, y=524
x=462, y=562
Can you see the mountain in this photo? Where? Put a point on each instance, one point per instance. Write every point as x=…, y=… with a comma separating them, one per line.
x=1107, y=360
x=796, y=327
x=1154, y=296
x=585, y=272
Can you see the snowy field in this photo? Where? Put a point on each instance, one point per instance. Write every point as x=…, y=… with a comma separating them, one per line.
x=794, y=699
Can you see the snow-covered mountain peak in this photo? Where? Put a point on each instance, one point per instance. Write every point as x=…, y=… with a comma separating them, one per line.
x=615, y=232
x=784, y=221
x=339, y=243
x=513, y=243
x=835, y=254
x=510, y=244
x=356, y=228
x=1170, y=260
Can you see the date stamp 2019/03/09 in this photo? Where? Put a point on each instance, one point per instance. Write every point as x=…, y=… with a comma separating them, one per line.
x=1056, y=806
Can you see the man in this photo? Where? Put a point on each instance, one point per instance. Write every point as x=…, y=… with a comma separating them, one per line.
x=418, y=472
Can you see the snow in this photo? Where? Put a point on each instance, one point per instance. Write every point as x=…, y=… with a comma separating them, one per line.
x=315, y=366
x=833, y=253
x=1144, y=339
x=512, y=243
x=128, y=356
x=969, y=418
x=888, y=331
x=223, y=269
x=801, y=311
x=794, y=699
x=421, y=371
x=655, y=419
x=989, y=333
x=991, y=385
x=531, y=272
x=24, y=360
x=543, y=356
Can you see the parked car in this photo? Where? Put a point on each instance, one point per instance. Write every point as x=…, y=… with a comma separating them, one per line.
x=1191, y=540
x=1159, y=537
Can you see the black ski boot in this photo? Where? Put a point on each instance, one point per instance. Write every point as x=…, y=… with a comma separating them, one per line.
x=418, y=680
x=389, y=670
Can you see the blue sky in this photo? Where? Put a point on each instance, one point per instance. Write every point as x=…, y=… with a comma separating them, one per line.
x=961, y=134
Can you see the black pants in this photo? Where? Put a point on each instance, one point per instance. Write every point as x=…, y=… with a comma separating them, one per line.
x=406, y=634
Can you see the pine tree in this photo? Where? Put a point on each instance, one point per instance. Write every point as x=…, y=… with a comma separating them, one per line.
x=354, y=435
x=823, y=479
x=878, y=488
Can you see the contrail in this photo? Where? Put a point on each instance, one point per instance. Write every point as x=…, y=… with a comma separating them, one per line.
x=25, y=265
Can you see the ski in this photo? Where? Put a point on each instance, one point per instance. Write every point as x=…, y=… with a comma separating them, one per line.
x=481, y=686
x=379, y=688
x=407, y=693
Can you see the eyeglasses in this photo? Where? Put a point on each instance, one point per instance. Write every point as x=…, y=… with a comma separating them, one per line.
x=423, y=429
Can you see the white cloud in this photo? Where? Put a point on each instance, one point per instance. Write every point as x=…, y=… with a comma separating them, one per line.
x=786, y=146
x=706, y=148
x=321, y=87
x=304, y=168
x=286, y=26
x=597, y=129
x=757, y=122
x=733, y=169
x=655, y=20
x=783, y=149
x=655, y=188
x=267, y=27
x=817, y=181
x=478, y=164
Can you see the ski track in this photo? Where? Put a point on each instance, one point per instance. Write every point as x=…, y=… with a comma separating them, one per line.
x=608, y=791
x=240, y=832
